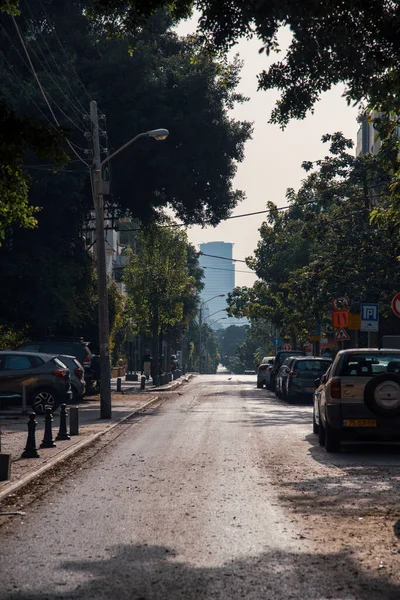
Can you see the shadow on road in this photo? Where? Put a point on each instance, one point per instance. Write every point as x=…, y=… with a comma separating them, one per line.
x=153, y=572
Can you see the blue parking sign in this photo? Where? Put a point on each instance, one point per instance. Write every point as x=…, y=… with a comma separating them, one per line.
x=369, y=317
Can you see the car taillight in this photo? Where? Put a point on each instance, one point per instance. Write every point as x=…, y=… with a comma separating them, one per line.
x=78, y=373
x=293, y=374
x=336, y=388
x=262, y=367
x=62, y=373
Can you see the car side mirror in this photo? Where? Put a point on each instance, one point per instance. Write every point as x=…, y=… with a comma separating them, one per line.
x=324, y=379
x=317, y=382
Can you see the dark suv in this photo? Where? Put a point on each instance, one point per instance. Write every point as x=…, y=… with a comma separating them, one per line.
x=71, y=347
x=43, y=378
x=280, y=358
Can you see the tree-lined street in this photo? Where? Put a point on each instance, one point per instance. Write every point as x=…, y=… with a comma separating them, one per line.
x=221, y=492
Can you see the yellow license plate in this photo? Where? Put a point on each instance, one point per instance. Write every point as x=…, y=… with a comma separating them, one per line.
x=359, y=423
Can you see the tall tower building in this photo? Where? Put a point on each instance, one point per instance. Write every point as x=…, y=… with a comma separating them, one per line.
x=219, y=278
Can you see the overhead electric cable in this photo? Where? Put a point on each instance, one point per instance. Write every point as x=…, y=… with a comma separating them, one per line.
x=42, y=89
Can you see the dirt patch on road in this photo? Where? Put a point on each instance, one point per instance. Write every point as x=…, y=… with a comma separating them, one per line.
x=342, y=503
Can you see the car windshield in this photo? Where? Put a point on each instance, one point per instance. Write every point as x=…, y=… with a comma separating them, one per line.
x=305, y=366
x=367, y=364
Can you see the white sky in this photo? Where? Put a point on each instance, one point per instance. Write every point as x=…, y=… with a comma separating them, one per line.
x=273, y=157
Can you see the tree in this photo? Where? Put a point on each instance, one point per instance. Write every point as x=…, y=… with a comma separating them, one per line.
x=158, y=282
x=339, y=41
x=164, y=81
x=323, y=246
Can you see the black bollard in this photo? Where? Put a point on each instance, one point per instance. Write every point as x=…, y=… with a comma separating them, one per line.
x=62, y=432
x=48, y=435
x=143, y=382
x=119, y=384
x=30, y=448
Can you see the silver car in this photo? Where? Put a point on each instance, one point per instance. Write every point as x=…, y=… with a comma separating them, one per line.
x=77, y=376
x=264, y=371
x=359, y=398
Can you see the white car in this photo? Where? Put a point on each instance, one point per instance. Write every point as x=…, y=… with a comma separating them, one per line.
x=359, y=398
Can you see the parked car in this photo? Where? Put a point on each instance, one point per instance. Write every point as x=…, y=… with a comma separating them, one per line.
x=264, y=371
x=297, y=376
x=279, y=359
x=77, y=372
x=282, y=375
x=45, y=377
x=70, y=346
x=359, y=398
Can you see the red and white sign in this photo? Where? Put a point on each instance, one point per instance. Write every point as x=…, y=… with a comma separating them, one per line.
x=286, y=347
x=340, y=303
x=396, y=305
x=342, y=335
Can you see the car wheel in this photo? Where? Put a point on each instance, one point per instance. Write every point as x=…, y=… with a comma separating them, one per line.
x=315, y=426
x=41, y=399
x=259, y=385
x=382, y=395
x=332, y=439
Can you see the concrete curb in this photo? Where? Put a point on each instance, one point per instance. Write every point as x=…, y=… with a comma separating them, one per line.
x=17, y=485
x=165, y=388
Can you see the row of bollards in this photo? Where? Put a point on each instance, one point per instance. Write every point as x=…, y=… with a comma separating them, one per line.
x=48, y=442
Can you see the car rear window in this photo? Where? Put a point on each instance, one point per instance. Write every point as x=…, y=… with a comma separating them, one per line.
x=285, y=355
x=19, y=362
x=368, y=364
x=305, y=366
x=78, y=350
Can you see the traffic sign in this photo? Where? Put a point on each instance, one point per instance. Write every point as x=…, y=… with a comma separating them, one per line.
x=340, y=318
x=286, y=347
x=341, y=303
x=369, y=317
x=396, y=305
x=354, y=322
x=277, y=341
x=342, y=335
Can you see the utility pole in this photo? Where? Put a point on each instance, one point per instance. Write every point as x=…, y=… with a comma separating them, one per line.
x=200, y=324
x=97, y=181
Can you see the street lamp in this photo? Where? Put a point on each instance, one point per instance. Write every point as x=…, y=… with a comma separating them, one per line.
x=216, y=321
x=214, y=313
x=97, y=178
x=200, y=322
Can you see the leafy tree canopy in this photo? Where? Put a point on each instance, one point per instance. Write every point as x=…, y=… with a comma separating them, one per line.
x=350, y=41
x=324, y=246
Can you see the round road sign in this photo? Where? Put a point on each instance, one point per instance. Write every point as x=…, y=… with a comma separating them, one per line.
x=286, y=347
x=396, y=305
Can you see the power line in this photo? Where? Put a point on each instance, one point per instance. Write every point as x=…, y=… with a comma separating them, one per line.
x=46, y=16
x=230, y=270
x=41, y=87
x=222, y=257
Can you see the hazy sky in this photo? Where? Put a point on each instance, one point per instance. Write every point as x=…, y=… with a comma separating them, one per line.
x=273, y=157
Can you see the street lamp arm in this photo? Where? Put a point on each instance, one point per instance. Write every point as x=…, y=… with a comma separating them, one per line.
x=106, y=160
x=158, y=134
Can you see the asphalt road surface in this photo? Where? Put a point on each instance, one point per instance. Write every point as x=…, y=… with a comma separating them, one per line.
x=220, y=492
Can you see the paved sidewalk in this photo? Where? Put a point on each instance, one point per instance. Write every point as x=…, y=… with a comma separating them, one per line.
x=14, y=433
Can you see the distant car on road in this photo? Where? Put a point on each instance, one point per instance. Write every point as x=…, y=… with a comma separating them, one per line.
x=359, y=398
x=279, y=359
x=45, y=377
x=264, y=369
x=297, y=376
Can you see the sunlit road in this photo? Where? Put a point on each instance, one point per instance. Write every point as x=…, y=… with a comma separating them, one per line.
x=222, y=492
